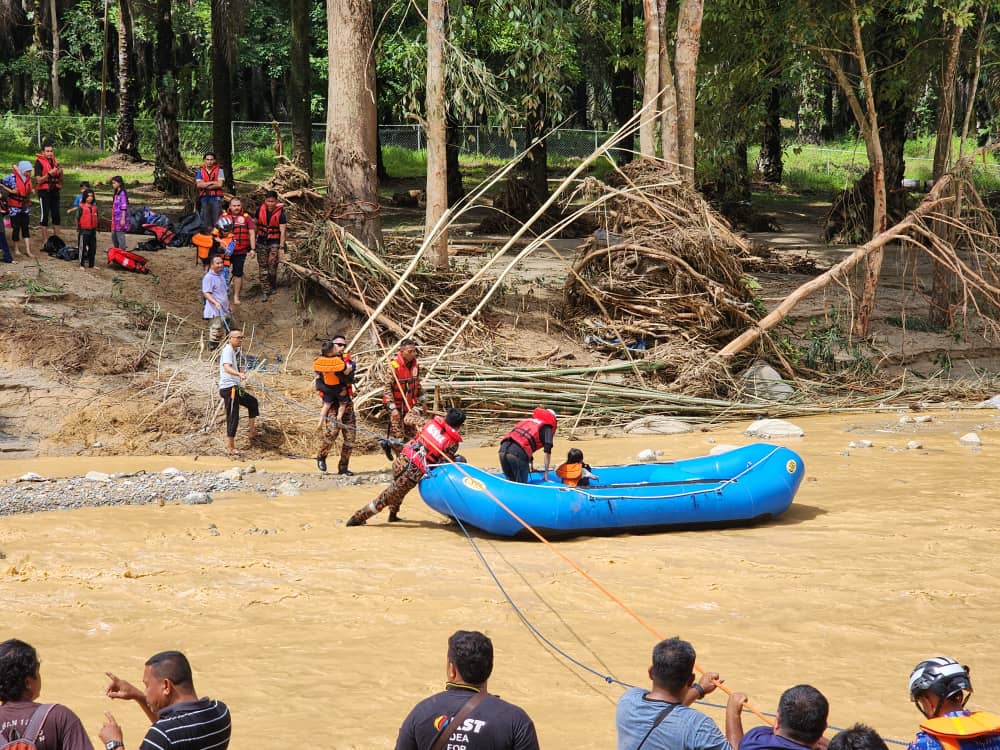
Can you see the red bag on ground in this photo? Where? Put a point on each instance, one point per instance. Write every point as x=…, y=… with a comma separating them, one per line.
x=128, y=261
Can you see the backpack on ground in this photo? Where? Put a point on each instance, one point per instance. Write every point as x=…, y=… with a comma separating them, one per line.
x=53, y=245
x=30, y=738
x=69, y=252
x=164, y=234
x=151, y=245
x=129, y=261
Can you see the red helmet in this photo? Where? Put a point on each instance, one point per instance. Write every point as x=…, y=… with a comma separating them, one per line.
x=545, y=416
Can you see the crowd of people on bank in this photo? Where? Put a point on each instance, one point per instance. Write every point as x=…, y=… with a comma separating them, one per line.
x=466, y=715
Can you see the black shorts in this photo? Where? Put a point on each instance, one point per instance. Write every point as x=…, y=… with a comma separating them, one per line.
x=237, y=262
x=19, y=226
x=49, y=202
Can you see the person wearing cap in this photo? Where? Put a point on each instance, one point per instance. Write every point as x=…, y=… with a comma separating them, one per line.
x=17, y=187
x=402, y=395
x=521, y=443
x=940, y=687
x=436, y=443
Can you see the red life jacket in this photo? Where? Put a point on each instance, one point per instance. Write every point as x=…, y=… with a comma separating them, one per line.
x=528, y=432
x=88, y=216
x=46, y=168
x=242, y=224
x=21, y=197
x=957, y=732
x=269, y=227
x=405, y=383
x=210, y=175
x=431, y=443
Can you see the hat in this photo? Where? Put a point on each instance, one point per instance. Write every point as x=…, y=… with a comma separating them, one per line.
x=24, y=166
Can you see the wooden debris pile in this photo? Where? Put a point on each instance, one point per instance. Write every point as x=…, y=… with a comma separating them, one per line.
x=358, y=280
x=303, y=205
x=663, y=269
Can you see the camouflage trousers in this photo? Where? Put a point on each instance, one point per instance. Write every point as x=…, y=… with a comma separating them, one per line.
x=267, y=259
x=346, y=429
x=404, y=428
x=406, y=476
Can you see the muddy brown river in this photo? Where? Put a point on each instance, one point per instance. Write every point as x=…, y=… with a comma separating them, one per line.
x=324, y=636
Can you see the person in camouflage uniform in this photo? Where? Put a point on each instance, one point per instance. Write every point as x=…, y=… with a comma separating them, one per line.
x=402, y=395
x=436, y=443
x=346, y=426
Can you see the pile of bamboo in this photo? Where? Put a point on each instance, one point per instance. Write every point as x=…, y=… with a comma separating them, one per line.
x=663, y=267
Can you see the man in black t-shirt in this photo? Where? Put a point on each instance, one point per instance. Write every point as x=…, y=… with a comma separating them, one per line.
x=493, y=724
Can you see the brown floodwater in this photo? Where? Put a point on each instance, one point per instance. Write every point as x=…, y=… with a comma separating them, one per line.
x=320, y=635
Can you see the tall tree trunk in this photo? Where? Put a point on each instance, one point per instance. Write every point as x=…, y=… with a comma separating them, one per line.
x=56, y=52
x=168, y=148
x=941, y=292
x=651, y=79
x=38, y=87
x=686, y=64
x=351, y=129
x=300, y=86
x=127, y=138
x=536, y=160
x=437, y=137
x=769, y=162
x=668, y=96
x=223, y=62
x=623, y=91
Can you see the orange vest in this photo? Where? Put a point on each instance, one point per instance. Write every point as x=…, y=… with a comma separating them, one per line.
x=405, y=383
x=21, y=197
x=47, y=167
x=88, y=216
x=204, y=243
x=269, y=226
x=950, y=731
x=210, y=175
x=331, y=369
x=431, y=443
x=570, y=473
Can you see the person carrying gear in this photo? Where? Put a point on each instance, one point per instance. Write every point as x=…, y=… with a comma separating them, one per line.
x=335, y=375
x=940, y=687
x=518, y=447
x=402, y=395
x=437, y=442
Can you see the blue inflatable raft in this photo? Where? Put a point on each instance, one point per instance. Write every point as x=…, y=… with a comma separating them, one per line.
x=741, y=486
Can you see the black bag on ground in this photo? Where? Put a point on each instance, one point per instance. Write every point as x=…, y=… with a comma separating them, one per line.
x=188, y=224
x=53, y=245
x=67, y=252
x=150, y=246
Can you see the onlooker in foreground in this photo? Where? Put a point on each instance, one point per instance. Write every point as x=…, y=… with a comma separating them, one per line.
x=941, y=687
x=18, y=188
x=465, y=713
x=216, y=293
x=120, y=220
x=232, y=388
x=87, y=223
x=180, y=718
x=50, y=726
x=271, y=226
x=660, y=718
x=801, y=721
x=858, y=737
x=48, y=183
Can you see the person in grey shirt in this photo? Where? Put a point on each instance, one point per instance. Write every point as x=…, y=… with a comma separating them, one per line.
x=232, y=388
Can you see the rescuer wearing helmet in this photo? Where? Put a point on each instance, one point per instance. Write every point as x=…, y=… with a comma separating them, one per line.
x=528, y=435
x=941, y=687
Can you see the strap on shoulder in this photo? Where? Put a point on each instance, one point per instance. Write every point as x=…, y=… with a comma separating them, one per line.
x=37, y=719
x=467, y=708
x=663, y=714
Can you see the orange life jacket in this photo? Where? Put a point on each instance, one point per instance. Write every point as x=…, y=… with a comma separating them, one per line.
x=269, y=225
x=210, y=175
x=88, y=216
x=431, y=443
x=47, y=167
x=333, y=370
x=405, y=383
x=528, y=432
x=950, y=731
x=241, y=232
x=21, y=197
x=204, y=243
x=570, y=473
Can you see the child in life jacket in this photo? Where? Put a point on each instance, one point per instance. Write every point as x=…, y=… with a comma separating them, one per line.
x=224, y=245
x=574, y=472
x=86, y=224
x=334, y=374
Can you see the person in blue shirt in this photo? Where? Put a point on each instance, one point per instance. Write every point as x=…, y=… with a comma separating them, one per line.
x=800, y=723
x=940, y=688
